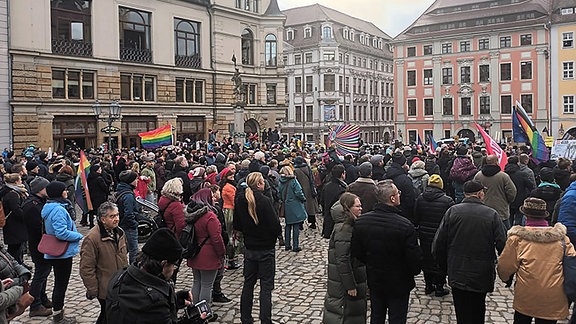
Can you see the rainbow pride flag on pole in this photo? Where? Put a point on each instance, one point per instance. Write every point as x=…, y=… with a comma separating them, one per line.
x=81, y=185
x=157, y=138
x=523, y=130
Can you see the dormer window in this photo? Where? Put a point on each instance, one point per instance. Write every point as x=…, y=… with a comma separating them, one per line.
x=375, y=42
x=380, y=44
x=351, y=35
x=361, y=38
x=307, y=32
x=290, y=34
x=345, y=33
x=326, y=32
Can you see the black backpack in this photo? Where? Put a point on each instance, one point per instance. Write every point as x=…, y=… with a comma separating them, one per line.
x=189, y=242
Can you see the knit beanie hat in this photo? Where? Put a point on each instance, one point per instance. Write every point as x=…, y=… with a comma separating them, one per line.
x=163, y=245
x=55, y=189
x=399, y=158
x=365, y=169
x=31, y=165
x=436, y=181
x=38, y=184
x=127, y=176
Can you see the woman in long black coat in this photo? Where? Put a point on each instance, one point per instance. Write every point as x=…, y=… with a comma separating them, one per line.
x=98, y=188
x=15, y=233
x=428, y=211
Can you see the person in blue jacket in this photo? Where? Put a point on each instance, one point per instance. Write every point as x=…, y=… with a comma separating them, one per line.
x=57, y=222
x=293, y=199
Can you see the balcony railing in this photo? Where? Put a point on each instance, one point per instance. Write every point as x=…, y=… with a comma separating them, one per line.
x=71, y=47
x=192, y=61
x=135, y=55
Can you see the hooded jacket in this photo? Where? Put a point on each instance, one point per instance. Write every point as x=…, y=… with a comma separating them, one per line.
x=206, y=225
x=501, y=190
x=403, y=182
x=292, y=196
x=538, y=291
x=58, y=222
x=523, y=184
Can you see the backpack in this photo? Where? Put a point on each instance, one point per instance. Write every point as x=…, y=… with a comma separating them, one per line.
x=189, y=242
x=417, y=184
x=159, y=219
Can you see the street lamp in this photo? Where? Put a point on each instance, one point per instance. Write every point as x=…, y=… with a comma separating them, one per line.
x=114, y=112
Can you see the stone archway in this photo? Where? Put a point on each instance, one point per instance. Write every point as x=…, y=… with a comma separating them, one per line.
x=386, y=137
x=251, y=126
x=467, y=133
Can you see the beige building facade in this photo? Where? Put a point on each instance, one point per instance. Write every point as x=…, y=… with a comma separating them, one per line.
x=163, y=61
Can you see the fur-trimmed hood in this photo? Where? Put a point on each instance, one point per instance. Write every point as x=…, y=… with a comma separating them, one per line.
x=539, y=234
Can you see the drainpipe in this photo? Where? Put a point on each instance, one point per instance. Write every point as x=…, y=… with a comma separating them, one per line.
x=209, y=8
x=10, y=112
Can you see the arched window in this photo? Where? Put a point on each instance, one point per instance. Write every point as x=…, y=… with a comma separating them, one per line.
x=247, y=47
x=135, y=35
x=326, y=32
x=271, y=50
x=345, y=33
x=187, y=37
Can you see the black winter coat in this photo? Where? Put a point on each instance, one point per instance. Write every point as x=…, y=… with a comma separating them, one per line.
x=523, y=185
x=386, y=243
x=429, y=210
x=330, y=194
x=403, y=182
x=465, y=245
x=549, y=193
x=562, y=177
x=98, y=189
x=32, y=208
x=181, y=173
x=351, y=172
x=15, y=230
x=365, y=189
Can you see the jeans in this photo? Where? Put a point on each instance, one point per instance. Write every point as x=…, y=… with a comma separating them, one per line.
x=520, y=318
x=395, y=306
x=102, y=317
x=131, y=243
x=62, y=270
x=458, y=191
x=202, y=287
x=42, y=270
x=470, y=306
x=258, y=265
x=17, y=251
x=217, y=287
x=292, y=233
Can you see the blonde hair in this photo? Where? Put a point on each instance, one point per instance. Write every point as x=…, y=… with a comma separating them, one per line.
x=12, y=178
x=286, y=170
x=136, y=167
x=252, y=181
x=173, y=188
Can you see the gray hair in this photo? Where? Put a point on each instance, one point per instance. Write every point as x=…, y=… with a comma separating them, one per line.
x=385, y=190
x=105, y=208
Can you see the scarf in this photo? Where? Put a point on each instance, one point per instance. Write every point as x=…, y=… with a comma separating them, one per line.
x=537, y=222
x=544, y=183
x=20, y=189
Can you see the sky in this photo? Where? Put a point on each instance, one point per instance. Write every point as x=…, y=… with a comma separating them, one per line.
x=391, y=16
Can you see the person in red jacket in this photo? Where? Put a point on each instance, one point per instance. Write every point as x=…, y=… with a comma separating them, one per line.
x=172, y=210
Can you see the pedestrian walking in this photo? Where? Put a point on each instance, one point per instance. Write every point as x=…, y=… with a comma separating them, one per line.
x=293, y=199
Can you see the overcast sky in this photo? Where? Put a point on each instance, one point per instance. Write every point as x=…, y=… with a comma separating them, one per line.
x=391, y=16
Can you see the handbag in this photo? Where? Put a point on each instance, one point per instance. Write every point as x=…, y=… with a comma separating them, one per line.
x=51, y=245
x=569, y=268
x=21, y=305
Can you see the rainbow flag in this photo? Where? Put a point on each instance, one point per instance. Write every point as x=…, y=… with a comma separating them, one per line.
x=157, y=138
x=523, y=130
x=82, y=195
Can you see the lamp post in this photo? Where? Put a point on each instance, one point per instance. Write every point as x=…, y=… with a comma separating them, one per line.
x=114, y=112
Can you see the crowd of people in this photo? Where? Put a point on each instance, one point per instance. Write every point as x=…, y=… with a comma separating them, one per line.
x=389, y=213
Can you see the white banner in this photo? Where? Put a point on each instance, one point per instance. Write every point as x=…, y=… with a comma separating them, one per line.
x=564, y=149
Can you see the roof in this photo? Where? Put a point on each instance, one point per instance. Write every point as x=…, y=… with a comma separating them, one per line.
x=273, y=9
x=557, y=7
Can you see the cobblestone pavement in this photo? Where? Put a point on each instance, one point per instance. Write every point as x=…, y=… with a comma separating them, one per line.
x=299, y=293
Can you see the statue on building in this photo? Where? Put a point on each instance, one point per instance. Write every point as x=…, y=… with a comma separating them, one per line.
x=237, y=79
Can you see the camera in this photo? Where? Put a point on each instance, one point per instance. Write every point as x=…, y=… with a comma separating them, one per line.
x=192, y=313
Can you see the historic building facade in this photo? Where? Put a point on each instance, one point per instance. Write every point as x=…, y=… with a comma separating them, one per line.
x=466, y=62
x=563, y=61
x=163, y=61
x=339, y=70
x=5, y=111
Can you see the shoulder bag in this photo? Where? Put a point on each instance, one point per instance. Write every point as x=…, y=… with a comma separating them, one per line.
x=51, y=245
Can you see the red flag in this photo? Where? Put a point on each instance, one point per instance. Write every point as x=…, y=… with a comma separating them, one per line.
x=492, y=148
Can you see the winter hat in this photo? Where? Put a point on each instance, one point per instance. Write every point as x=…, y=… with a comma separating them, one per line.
x=473, y=186
x=95, y=168
x=163, y=245
x=376, y=159
x=365, y=169
x=265, y=170
x=37, y=184
x=418, y=165
x=199, y=172
x=462, y=150
x=55, y=189
x=416, y=159
x=399, y=158
x=31, y=165
x=436, y=181
x=127, y=176
x=299, y=160
x=534, y=208
x=547, y=174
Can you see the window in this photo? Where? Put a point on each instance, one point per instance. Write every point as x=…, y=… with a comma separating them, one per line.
x=446, y=75
x=484, y=105
x=307, y=32
x=329, y=82
x=411, y=80
x=427, y=49
x=568, y=70
x=137, y=87
x=271, y=93
x=309, y=113
x=411, y=51
x=347, y=85
x=308, y=83
x=465, y=74
x=466, y=106
x=568, y=104
x=412, y=136
x=526, y=101
x=427, y=134
x=345, y=33
x=428, y=107
x=326, y=32
x=525, y=70
x=484, y=73
x=135, y=35
x=567, y=11
x=328, y=56
x=428, y=76
x=526, y=39
x=505, y=71
x=308, y=58
x=340, y=83
x=189, y=90
x=298, y=84
x=465, y=46
x=446, y=48
x=289, y=35
x=447, y=133
x=411, y=107
x=297, y=59
x=71, y=27
x=568, y=40
x=506, y=41
x=506, y=104
x=271, y=51
x=447, y=107
x=484, y=44
x=298, y=113
x=249, y=94
x=248, y=5
x=187, y=43
x=72, y=84
x=247, y=47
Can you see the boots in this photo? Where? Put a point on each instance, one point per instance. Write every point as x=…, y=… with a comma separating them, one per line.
x=440, y=291
x=59, y=318
x=429, y=289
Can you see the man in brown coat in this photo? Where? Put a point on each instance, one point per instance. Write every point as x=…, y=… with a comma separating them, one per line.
x=103, y=253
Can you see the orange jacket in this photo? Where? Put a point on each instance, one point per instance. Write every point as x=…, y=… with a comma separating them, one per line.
x=228, y=194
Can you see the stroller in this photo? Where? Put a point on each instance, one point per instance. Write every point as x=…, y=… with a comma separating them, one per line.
x=146, y=223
